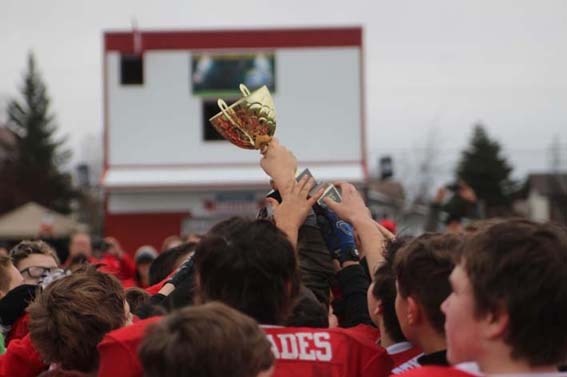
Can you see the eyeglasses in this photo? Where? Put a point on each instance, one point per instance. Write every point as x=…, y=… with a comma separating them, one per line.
x=37, y=272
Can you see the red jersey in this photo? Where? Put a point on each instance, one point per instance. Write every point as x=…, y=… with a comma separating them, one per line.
x=336, y=352
x=154, y=289
x=21, y=360
x=402, y=352
x=123, y=268
x=435, y=371
x=302, y=352
x=118, y=350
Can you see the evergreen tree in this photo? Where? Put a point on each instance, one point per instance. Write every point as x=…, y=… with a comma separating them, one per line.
x=483, y=167
x=34, y=174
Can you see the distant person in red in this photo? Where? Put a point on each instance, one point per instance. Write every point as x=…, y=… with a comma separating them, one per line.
x=143, y=259
x=113, y=259
x=389, y=224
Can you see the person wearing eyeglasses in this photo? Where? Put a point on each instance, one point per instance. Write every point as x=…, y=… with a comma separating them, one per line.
x=34, y=259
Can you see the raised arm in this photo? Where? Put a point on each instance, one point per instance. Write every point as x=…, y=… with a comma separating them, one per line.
x=371, y=235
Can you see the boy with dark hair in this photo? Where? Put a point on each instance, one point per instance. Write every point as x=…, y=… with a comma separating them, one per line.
x=235, y=345
x=258, y=258
x=381, y=299
x=422, y=270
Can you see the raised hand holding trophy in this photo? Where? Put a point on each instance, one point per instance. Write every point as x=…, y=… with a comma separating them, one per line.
x=250, y=123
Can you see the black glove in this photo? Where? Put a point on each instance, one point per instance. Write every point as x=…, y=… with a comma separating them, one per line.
x=185, y=271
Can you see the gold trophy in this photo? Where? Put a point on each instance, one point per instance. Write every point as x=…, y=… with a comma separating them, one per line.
x=250, y=122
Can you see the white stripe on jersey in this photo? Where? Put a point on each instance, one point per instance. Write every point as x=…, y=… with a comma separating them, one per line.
x=410, y=364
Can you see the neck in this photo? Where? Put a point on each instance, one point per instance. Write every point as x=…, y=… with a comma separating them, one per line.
x=430, y=341
x=385, y=339
x=498, y=360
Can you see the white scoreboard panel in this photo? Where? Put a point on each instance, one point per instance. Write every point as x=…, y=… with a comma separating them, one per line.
x=160, y=122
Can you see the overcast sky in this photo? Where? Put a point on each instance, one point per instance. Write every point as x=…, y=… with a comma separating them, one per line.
x=438, y=65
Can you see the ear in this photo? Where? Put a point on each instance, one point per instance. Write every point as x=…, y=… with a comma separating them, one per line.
x=495, y=324
x=414, y=311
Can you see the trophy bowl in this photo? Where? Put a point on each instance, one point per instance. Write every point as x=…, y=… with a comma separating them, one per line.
x=250, y=122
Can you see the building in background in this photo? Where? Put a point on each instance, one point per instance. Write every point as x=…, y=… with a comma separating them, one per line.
x=166, y=171
x=547, y=197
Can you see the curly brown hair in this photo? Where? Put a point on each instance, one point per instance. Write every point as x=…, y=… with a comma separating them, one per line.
x=26, y=248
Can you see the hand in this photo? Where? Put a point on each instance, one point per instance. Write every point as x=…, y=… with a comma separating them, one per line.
x=351, y=207
x=295, y=206
x=338, y=234
x=114, y=248
x=280, y=164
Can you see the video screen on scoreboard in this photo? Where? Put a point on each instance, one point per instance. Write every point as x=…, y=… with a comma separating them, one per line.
x=220, y=75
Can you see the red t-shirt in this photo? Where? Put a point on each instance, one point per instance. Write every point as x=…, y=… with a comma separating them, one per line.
x=118, y=350
x=435, y=371
x=302, y=352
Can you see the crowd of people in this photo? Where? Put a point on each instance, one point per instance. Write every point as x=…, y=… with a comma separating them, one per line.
x=313, y=290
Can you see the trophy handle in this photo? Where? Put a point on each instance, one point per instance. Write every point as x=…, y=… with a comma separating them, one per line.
x=225, y=111
x=244, y=90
